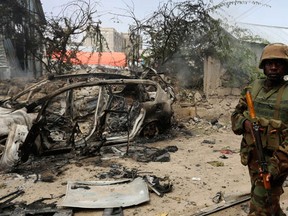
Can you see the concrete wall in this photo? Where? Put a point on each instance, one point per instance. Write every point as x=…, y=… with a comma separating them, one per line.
x=10, y=66
x=212, y=82
x=214, y=74
x=114, y=39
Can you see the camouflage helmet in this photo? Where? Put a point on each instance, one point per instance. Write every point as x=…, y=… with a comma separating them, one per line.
x=274, y=51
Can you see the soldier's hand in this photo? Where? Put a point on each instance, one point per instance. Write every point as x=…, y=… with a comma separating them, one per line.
x=267, y=175
x=248, y=126
x=266, y=180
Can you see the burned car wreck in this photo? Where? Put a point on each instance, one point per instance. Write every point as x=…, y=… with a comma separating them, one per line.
x=84, y=115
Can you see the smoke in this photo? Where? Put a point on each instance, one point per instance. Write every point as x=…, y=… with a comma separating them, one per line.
x=188, y=73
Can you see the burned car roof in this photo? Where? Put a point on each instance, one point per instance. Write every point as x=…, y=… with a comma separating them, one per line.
x=51, y=83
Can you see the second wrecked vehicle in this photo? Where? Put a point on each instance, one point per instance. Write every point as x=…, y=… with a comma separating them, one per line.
x=88, y=115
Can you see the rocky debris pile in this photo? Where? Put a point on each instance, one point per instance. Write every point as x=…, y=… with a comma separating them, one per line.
x=196, y=113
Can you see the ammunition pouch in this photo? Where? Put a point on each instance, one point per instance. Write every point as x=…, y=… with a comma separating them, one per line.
x=271, y=134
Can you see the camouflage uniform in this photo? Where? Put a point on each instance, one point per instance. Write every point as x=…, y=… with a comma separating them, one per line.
x=271, y=107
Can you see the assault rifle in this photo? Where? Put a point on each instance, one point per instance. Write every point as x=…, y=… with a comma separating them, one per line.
x=257, y=136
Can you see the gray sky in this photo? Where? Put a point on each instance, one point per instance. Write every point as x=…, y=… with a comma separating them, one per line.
x=275, y=15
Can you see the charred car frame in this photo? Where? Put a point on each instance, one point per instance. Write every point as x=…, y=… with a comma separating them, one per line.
x=86, y=115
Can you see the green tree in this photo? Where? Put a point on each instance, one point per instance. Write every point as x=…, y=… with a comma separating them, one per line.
x=180, y=35
x=63, y=35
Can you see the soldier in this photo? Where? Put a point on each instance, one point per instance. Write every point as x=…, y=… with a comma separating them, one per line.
x=270, y=98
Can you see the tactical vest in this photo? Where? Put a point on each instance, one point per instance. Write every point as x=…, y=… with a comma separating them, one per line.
x=272, y=113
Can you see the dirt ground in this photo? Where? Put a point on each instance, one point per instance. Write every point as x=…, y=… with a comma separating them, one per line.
x=206, y=163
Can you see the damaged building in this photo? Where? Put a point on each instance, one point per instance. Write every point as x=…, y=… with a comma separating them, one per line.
x=18, y=36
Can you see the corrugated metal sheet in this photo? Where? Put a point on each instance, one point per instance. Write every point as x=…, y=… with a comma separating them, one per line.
x=271, y=34
x=117, y=59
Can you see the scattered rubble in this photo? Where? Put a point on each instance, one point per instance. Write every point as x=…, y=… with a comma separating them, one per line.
x=181, y=167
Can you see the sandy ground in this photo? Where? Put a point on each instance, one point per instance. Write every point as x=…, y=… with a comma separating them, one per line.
x=198, y=171
x=195, y=180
